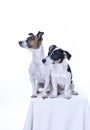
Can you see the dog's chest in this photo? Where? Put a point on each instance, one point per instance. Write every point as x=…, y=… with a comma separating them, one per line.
x=59, y=72
x=39, y=72
x=39, y=75
x=60, y=75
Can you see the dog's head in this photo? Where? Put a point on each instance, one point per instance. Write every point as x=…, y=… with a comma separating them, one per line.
x=33, y=41
x=56, y=55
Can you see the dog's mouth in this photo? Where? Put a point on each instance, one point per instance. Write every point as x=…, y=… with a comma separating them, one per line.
x=22, y=43
x=51, y=62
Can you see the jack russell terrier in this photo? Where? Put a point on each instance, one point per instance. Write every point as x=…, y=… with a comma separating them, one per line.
x=39, y=73
x=61, y=75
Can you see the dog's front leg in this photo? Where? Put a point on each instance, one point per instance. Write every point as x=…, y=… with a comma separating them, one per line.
x=33, y=82
x=45, y=88
x=39, y=85
x=67, y=94
x=54, y=84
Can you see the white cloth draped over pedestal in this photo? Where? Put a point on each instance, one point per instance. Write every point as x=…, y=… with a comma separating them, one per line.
x=58, y=114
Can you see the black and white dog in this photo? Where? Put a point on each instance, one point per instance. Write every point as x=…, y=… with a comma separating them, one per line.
x=39, y=73
x=61, y=74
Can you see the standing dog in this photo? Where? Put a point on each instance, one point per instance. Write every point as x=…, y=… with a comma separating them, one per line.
x=39, y=73
x=61, y=74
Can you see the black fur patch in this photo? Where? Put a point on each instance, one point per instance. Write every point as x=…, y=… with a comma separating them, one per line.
x=39, y=35
x=69, y=70
x=68, y=55
x=51, y=48
x=57, y=54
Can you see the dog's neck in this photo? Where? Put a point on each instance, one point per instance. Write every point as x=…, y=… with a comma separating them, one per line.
x=38, y=55
x=60, y=65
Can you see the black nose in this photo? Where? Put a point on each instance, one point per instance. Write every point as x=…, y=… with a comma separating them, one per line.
x=43, y=60
x=20, y=42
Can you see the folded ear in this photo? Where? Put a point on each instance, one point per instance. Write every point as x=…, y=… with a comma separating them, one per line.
x=52, y=47
x=67, y=55
x=31, y=34
x=39, y=35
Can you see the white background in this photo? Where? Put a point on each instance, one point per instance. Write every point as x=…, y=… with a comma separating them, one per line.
x=65, y=23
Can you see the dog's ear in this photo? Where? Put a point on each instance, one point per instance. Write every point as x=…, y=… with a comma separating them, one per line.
x=52, y=47
x=31, y=34
x=67, y=55
x=39, y=35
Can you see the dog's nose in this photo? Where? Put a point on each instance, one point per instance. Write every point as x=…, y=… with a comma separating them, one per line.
x=43, y=60
x=20, y=42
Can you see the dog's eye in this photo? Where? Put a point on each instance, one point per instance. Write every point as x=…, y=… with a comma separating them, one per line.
x=53, y=53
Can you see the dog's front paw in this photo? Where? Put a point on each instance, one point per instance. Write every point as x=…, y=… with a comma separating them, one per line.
x=75, y=93
x=44, y=96
x=68, y=96
x=54, y=95
x=34, y=96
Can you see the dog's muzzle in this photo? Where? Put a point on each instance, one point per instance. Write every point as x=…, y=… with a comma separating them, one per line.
x=44, y=60
x=24, y=44
x=20, y=43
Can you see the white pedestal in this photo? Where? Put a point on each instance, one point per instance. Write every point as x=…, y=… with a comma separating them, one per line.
x=58, y=114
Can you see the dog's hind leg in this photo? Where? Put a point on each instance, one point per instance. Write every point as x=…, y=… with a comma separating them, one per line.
x=72, y=89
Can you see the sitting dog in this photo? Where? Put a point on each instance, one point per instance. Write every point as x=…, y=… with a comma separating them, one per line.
x=39, y=73
x=61, y=74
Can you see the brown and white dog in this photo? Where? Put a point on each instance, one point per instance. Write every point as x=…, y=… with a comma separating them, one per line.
x=39, y=73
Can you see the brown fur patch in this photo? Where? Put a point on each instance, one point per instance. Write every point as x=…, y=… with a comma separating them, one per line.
x=58, y=61
x=35, y=43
